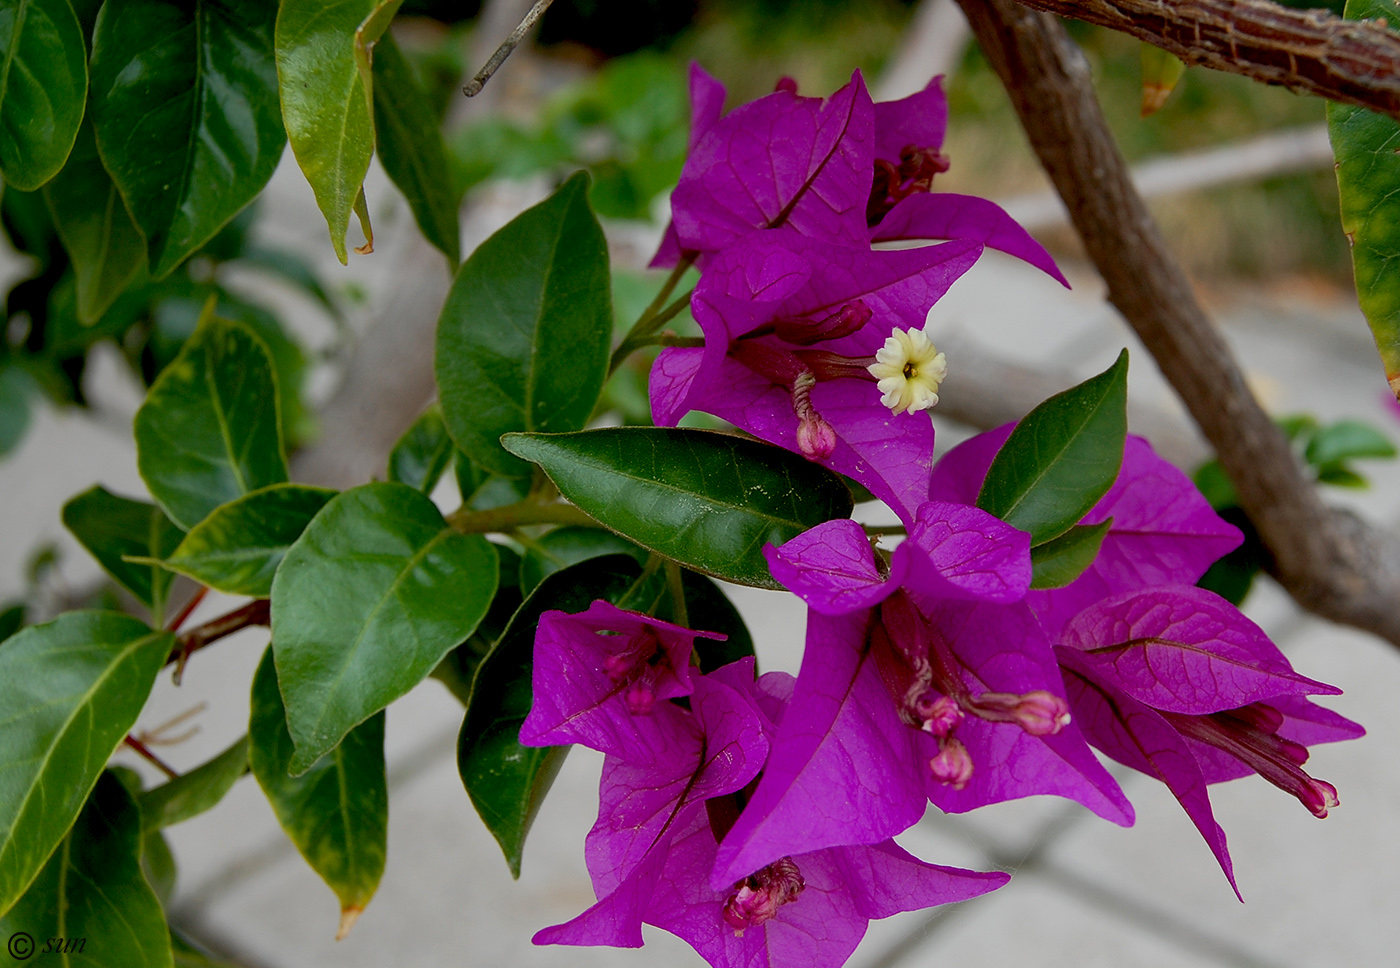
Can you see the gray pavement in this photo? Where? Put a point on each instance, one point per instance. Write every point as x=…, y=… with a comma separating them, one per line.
x=1085, y=892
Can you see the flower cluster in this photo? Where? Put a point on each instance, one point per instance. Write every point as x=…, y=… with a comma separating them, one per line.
x=753, y=817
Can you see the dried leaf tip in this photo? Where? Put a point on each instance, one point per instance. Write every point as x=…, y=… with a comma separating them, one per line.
x=348, y=917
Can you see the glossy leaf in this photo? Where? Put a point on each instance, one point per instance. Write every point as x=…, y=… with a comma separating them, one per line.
x=367, y=602
x=1061, y=560
x=708, y=500
x=507, y=782
x=423, y=453
x=482, y=490
x=93, y=891
x=43, y=85
x=522, y=343
x=409, y=142
x=1062, y=457
x=102, y=241
x=192, y=793
x=184, y=103
x=1368, y=183
x=336, y=813
x=567, y=546
x=237, y=548
x=326, y=99
x=208, y=432
x=73, y=688
x=113, y=528
x=458, y=667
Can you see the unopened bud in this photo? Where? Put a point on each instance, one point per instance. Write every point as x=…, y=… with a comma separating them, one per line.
x=1039, y=713
x=953, y=764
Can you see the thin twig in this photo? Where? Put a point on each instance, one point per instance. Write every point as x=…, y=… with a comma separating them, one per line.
x=145, y=753
x=190, y=606
x=1310, y=51
x=473, y=87
x=256, y=612
x=1330, y=562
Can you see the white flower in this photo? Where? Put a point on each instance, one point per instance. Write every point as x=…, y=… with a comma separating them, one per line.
x=908, y=370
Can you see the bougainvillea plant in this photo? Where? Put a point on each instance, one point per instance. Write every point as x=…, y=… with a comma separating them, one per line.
x=1037, y=602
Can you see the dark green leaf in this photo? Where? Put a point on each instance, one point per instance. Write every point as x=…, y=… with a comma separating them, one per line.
x=366, y=603
x=710, y=610
x=326, y=99
x=410, y=147
x=184, y=103
x=238, y=547
x=423, y=453
x=158, y=864
x=566, y=546
x=708, y=500
x=208, y=432
x=1062, y=457
x=73, y=688
x=1347, y=440
x=1339, y=475
x=14, y=407
x=1061, y=560
x=11, y=620
x=1232, y=576
x=336, y=813
x=189, y=956
x=104, y=243
x=1368, y=183
x=113, y=528
x=93, y=894
x=506, y=781
x=458, y=667
x=522, y=344
x=192, y=793
x=482, y=490
x=1215, y=486
x=43, y=84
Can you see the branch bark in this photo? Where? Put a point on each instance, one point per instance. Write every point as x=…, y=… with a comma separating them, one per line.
x=1330, y=562
x=1310, y=51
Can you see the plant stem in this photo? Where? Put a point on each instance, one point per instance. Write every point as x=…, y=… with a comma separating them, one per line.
x=256, y=612
x=473, y=87
x=516, y=515
x=145, y=753
x=654, y=316
x=677, y=589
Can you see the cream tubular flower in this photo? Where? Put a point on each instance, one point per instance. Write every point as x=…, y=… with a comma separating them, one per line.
x=908, y=370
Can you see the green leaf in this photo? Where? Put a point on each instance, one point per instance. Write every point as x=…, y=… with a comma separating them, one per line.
x=410, y=147
x=1232, y=576
x=184, y=103
x=113, y=528
x=522, y=344
x=14, y=407
x=91, y=897
x=1061, y=560
x=73, y=688
x=337, y=812
x=367, y=602
x=507, y=782
x=192, y=793
x=188, y=956
x=238, y=547
x=423, y=453
x=43, y=85
x=103, y=242
x=208, y=432
x=481, y=490
x=1368, y=183
x=11, y=620
x=710, y=610
x=1160, y=73
x=158, y=863
x=1347, y=440
x=326, y=98
x=458, y=667
x=708, y=500
x=567, y=546
x=1062, y=457
x=1339, y=475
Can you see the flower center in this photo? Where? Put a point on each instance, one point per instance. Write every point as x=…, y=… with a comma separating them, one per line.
x=908, y=370
x=892, y=183
x=756, y=898
x=635, y=667
x=936, y=697
x=1250, y=734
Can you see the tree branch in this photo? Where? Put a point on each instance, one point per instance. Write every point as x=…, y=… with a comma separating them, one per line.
x=1329, y=561
x=1310, y=51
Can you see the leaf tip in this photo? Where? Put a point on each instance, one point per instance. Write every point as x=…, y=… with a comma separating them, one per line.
x=348, y=917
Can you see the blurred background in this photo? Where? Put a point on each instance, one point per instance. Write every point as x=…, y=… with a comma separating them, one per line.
x=1239, y=175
